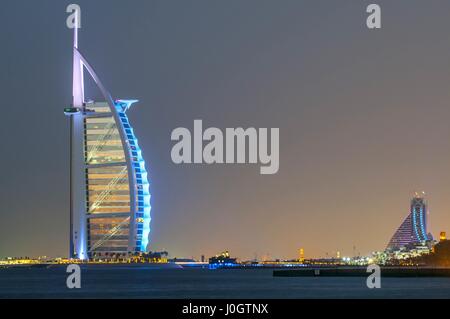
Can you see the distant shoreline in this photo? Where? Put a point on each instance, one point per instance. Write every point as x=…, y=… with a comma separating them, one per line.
x=96, y=265
x=398, y=272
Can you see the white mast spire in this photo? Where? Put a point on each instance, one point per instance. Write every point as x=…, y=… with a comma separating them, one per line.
x=78, y=81
x=75, y=33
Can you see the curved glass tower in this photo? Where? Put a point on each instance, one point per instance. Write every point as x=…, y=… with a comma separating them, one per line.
x=109, y=192
x=413, y=230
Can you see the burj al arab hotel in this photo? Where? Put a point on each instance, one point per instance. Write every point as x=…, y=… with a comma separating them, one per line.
x=109, y=189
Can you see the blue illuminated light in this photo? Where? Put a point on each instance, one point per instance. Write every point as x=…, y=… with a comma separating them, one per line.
x=222, y=265
x=415, y=223
x=140, y=176
x=422, y=226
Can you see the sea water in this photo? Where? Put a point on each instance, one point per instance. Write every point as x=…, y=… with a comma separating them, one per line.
x=110, y=282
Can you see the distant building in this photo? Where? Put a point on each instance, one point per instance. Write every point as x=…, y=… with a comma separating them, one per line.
x=413, y=230
x=443, y=236
x=301, y=255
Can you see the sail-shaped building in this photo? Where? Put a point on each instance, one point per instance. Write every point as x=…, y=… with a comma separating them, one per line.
x=109, y=188
x=413, y=230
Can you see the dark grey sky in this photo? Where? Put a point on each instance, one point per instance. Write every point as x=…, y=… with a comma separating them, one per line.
x=363, y=116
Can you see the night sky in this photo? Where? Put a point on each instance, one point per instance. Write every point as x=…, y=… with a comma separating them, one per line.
x=364, y=118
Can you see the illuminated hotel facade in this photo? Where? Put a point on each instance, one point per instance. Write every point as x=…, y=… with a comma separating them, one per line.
x=109, y=189
x=413, y=230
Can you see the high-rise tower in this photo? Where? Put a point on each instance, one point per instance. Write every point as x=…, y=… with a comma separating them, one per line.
x=413, y=230
x=109, y=189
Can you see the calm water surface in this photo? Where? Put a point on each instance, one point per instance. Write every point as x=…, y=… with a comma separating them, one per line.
x=203, y=283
